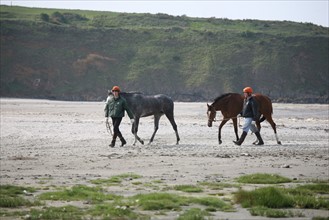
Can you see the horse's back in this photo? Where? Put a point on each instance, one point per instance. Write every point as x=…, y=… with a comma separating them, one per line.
x=166, y=103
x=146, y=105
x=265, y=103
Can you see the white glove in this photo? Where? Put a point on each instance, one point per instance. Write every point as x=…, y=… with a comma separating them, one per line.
x=132, y=121
x=107, y=120
x=253, y=123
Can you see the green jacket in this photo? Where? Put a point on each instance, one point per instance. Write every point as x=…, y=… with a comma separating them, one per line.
x=116, y=107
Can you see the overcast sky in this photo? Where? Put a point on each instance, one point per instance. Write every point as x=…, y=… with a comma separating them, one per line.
x=312, y=11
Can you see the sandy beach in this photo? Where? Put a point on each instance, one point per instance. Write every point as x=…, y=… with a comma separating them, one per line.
x=68, y=142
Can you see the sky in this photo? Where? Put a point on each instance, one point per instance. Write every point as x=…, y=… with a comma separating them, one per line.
x=312, y=11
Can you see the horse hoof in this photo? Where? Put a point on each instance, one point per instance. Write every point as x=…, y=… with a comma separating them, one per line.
x=279, y=142
x=220, y=142
x=142, y=142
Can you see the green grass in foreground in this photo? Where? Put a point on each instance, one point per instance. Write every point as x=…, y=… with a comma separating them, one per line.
x=167, y=201
x=115, y=180
x=273, y=197
x=263, y=178
x=11, y=196
x=99, y=203
x=80, y=192
x=262, y=200
x=188, y=188
x=194, y=214
x=272, y=213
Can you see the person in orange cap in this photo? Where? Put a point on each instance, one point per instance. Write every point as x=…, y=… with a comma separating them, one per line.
x=251, y=115
x=115, y=108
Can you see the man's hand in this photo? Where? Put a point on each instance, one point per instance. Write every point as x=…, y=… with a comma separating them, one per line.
x=132, y=121
x=253, y=122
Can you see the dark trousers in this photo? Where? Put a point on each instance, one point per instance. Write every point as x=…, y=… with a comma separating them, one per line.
x=116, y=121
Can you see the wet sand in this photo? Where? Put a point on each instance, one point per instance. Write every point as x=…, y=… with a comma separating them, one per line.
x=68, y=142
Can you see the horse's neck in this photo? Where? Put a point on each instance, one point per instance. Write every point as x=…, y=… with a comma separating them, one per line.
x=218, y=105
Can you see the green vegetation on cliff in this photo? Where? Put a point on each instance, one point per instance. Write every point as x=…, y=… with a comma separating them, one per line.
x=78, y=55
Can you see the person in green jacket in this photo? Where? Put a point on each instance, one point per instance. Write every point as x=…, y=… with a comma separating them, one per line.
x=115, y=108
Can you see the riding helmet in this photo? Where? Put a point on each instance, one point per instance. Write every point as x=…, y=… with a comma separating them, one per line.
x=247, y=90
x=116, y=88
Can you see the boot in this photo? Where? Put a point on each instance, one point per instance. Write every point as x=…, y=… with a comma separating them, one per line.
x=112, y=143
x=241, y=139
x=113, y=140
x=260, y=140
x=123, y=141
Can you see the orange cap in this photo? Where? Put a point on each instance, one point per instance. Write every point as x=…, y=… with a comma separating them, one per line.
x=247, y=90
x=116, y=88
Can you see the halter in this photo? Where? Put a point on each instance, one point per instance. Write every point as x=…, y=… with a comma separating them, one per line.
x=214, y=119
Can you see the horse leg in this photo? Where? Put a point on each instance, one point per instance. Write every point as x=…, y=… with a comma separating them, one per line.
x=174, y=125
x=134, y=130
x=219, y=130
x=156, y=127
x=235, y=125
x=270, y=120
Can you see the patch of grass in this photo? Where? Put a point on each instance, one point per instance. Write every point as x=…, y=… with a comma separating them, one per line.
x=321, y=188
x=167, y=201
x=310, y=202
x=115, y=180
x=65, y=212
x=272, y=197
x=11, y=190
x=111, y=211
x=157, y=181
x=11, y=196
x=160, y=201
x=137, y=183
x=188, y=188
x=263, y=178
x=218, y=186
x=13, y=202
x=271, y=213
x=194, y=214
x=79, y=192
x=213, y=204
x=269, y=197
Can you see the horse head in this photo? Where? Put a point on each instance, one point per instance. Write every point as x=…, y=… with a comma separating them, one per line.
x=211, y=113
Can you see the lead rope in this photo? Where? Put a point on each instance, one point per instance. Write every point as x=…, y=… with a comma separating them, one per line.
x=108, y=128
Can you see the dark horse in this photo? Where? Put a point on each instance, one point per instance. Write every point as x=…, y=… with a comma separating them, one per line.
x=143, y=106
x=231, y=104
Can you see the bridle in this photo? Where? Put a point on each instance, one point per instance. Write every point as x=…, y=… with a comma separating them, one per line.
x=211, y=111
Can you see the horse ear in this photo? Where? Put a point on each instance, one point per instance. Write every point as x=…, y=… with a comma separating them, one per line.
x=208, y=105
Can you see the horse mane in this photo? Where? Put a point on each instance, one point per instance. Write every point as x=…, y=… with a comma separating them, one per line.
x=221, y=97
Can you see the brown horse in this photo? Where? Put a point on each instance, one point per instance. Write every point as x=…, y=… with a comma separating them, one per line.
x=231, y=104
